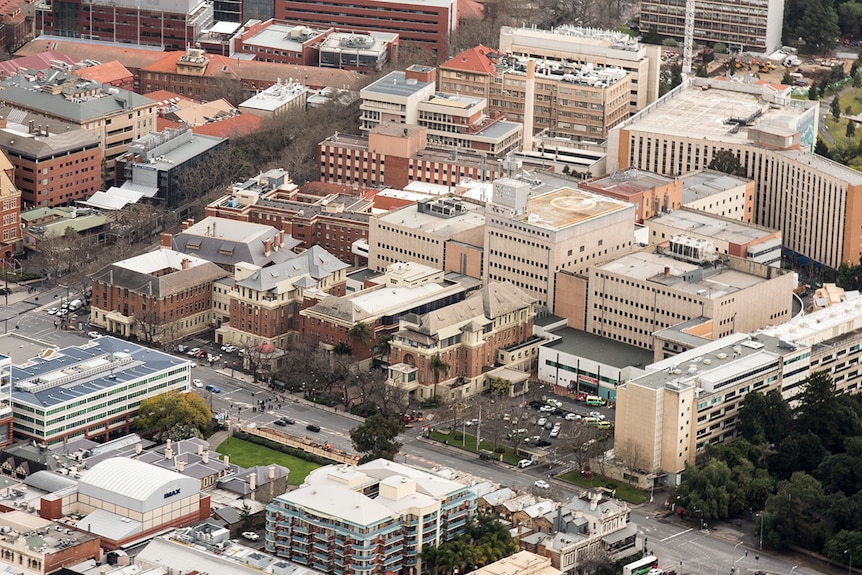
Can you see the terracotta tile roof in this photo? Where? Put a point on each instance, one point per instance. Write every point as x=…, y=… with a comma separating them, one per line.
x=108, y=73
x=38, y=61
x=163, y=123
x=131, y=58
x=162, y=95
x=470, y=10
x=473, y=60
x=221, y=66
x=232, y=127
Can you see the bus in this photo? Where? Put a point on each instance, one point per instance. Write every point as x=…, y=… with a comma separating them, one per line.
x=595, y=400
x=641, y=566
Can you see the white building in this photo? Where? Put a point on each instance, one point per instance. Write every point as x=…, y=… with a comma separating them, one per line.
x=277, y=100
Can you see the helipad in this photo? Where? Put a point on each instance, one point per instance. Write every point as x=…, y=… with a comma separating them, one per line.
x=567, y=206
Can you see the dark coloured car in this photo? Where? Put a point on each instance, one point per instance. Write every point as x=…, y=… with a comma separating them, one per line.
x=286, y=421
x=313, y=427
x=536, y=404
x=280, y=422
x=542, y=443
x=212, y=388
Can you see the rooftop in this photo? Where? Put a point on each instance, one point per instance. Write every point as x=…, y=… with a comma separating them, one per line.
x=315, y=262
x=276, y=96
x=468, y=217
x=284, y=36
x=568, y=206
x=694, y=222
x=599, y=349
x=396, y=84
x=227, y=242
x=706, y=183
x=477, y=59
x=36, y=136
x=627, y=183
x=822, y=325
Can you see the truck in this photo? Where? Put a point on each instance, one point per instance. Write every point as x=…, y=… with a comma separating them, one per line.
x=792, y=60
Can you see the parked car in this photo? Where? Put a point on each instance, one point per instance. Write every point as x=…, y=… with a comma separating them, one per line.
x=182, y=348
x=542, y=443
x=524, y=463
x=312, y=427
x=546, y=408
x=555, y=432
x=193, y=351
x=555, y=403
x=212, y=388
x=542, y=421
x=94, y=334
x=572, y=416
x=542, y=484
x=250, y=535
x=201, y=353
x=197, y=383
x=549, y=425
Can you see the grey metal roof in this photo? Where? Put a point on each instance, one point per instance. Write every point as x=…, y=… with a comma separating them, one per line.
x=49, y=481
x=394, y=84
x=26, y=92
x=61, y=137
x=599, y=349
x=315, y=263
x=234, y=242
x=125, y=276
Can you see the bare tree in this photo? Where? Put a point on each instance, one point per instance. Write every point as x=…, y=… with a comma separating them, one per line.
x=147, y=325
x=630, y=453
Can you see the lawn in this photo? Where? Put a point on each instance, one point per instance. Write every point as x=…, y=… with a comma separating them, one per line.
x=247, y=454
x=468, y=443
x=625, y=492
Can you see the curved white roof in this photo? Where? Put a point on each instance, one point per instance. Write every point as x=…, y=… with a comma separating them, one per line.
x=129, y=478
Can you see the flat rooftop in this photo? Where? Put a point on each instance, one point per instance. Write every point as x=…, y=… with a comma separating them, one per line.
x=284, y=36
x=568, y=206
x=600, y=349
x=711, y=226
x=410, y=217
x=706, y=183
x=395, y=84
x=627, y=183
x=822, y=325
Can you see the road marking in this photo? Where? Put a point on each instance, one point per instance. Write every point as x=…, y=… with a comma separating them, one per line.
x=675, y=535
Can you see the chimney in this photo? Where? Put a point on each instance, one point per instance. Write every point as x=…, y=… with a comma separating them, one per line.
x=666, y=271
x=45, y=133
x=30, y=127
x=169, y=453
x=200, y=449
x=166, y=240
x=205, y=456
x=185, y=225
x=529, y=107
x=214, y=232
x=271, y=472
x=181, y=465
x=226, y=459
x=558, y=521
x=138, y=448
x=252, y=480
x=281, y=238
x=594, y=501
x=266, y=247
x=275, y=243
x=185, y=263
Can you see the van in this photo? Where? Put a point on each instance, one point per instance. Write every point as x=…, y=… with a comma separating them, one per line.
x=75, y=304
x=595, y=400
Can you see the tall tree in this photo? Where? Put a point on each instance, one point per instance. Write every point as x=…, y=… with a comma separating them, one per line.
x=727, y=162
x=818, y=25
x=709, y=489
x=375, y=438
x=438, y=367
x=835, y=107
x=360, y=334
x=170, y=409
x=794, y=513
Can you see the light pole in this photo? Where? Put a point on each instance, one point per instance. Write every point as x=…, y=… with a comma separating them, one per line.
x=794, y=567
x=760, y=515
x=850, y=565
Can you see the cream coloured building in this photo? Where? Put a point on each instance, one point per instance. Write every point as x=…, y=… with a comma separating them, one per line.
x=720, y=194
x=816, y=203
x=638, y=294
x=533, y=232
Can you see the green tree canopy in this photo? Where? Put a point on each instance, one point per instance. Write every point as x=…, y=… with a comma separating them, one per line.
x=835, y=107
x=793, y=514
x=375, y=438
x=709, y=489
x=484, y=541
x=820, y=412
x=818, y=25
x=727, y=162
x=765, y=418
x=174, y=411
x=438, y=367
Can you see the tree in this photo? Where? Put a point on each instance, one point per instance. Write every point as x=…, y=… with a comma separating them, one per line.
x=786, y=78
x=764, y=418
x=727, y=162
x=709, y=489
x=359, y=334
x=818, y=25
x=375, y=438
x=851, y=129
x=821, y=149
x=819, y=412
x=835, y=107
x=857, y=80
x=719, y=48
x=168, y=410
x=793, y=514
x=498, y=386
x=438, y=367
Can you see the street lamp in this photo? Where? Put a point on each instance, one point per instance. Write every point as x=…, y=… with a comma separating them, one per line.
x=794, y=567
x=850, y=566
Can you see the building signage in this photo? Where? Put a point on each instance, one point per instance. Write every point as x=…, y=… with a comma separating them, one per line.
x=172, y=493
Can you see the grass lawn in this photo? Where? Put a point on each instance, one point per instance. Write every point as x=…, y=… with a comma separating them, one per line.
x=247, y=454
x=625, y=492
x=468, y=442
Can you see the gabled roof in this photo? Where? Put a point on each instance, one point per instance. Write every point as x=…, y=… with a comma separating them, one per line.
x=228, y=242
x=137, y=273
x=315, y=264
x=106, y=73
x=37, y=61
x=474, y=60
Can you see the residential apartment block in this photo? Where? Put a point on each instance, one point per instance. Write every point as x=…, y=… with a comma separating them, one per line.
x=91, y=391
x=158, y=297
x=334, y=222
x=535, y=231
x=742, y=25
x=444, y=233
x=115, y=116
x=568, y=45
x=54, y=165
x=636, y=295
x=811, y=199
x=173, y=24
x=423, y=25
x=264, y=303
x=466, y=335
x=374, y=518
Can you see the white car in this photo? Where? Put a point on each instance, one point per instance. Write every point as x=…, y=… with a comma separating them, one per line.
x=555, y=403
x=597, y=415
x=197, y=383
x=250, y=535
x=542, y=421
x=94, y=334
x=53, y=311
x=193, y=351
x=524, y=463
x=572, y=416
x=542, y=484
x=547, y=408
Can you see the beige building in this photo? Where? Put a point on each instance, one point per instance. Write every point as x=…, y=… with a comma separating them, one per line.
x=521, y=563
x=534, y=232
x=445, y=233
x=720, y=194
x=816, y=203
x=605, y=48
x=638, y=294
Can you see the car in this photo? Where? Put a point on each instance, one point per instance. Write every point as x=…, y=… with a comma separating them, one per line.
x=313, y=427
x=597, y=415
x=280, y=422
x=250, y=535
x=572, y=416
x=211, y=388
x=536, y=404
x=53, y=311
x=197, y=383
x=542, y=484
x=182, y=348
x=524, y=463
x=193, y=351
x=542, y=443
x=555, y=432
x=546, y=408
x=93, y=334
x=228, y=348
x=201, y=353
x=549, y=425
x=542, y=421
x=472, y=422
x=555, y=403
x=63, y=312
x=288, y=420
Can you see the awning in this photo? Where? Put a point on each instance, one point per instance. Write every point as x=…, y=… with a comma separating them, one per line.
x=621, y=535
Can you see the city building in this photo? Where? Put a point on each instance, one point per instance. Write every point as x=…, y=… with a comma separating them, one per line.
x=728, y=236
x=466, y=335
x=348, y=50
x=471, y=72
x=277, y=100
x=159, y=163
x=445, y=233
x=40, y=546
x=158, y=297
x=651, y=193
x=228, y=243
x=11, y=240
x=534, y=232
x=334, y=222
x=172, y=25
x=53, y=165
x=521, y=563
x=49, y=223
x=36, y=61
x=603, y=48
x=720, y=194
x=638, y=294
x=5, y=402
x=452, y=122
x=61, y=394
x=16, y=19
x=773, y=137
x=109, y=74
x=264, y=304
x=424, y=25
x=742, y=25
x=115, y=116
x=373, y=518
x=406, y=288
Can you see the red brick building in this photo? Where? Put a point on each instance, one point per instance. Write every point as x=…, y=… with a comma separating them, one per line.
x=333, y=221
x=10, y=212
x=54, y=166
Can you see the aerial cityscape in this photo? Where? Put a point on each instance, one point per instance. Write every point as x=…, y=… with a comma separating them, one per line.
x=431, y=287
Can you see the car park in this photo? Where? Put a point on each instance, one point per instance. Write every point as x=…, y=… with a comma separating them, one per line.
x=549, y=425
x=210, y=387
x=524, y=463
x=542, y=484
x=313, y=427
x=250, y=535
x=197, y=383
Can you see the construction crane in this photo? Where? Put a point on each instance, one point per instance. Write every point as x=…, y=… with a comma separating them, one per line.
x=688, y=39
